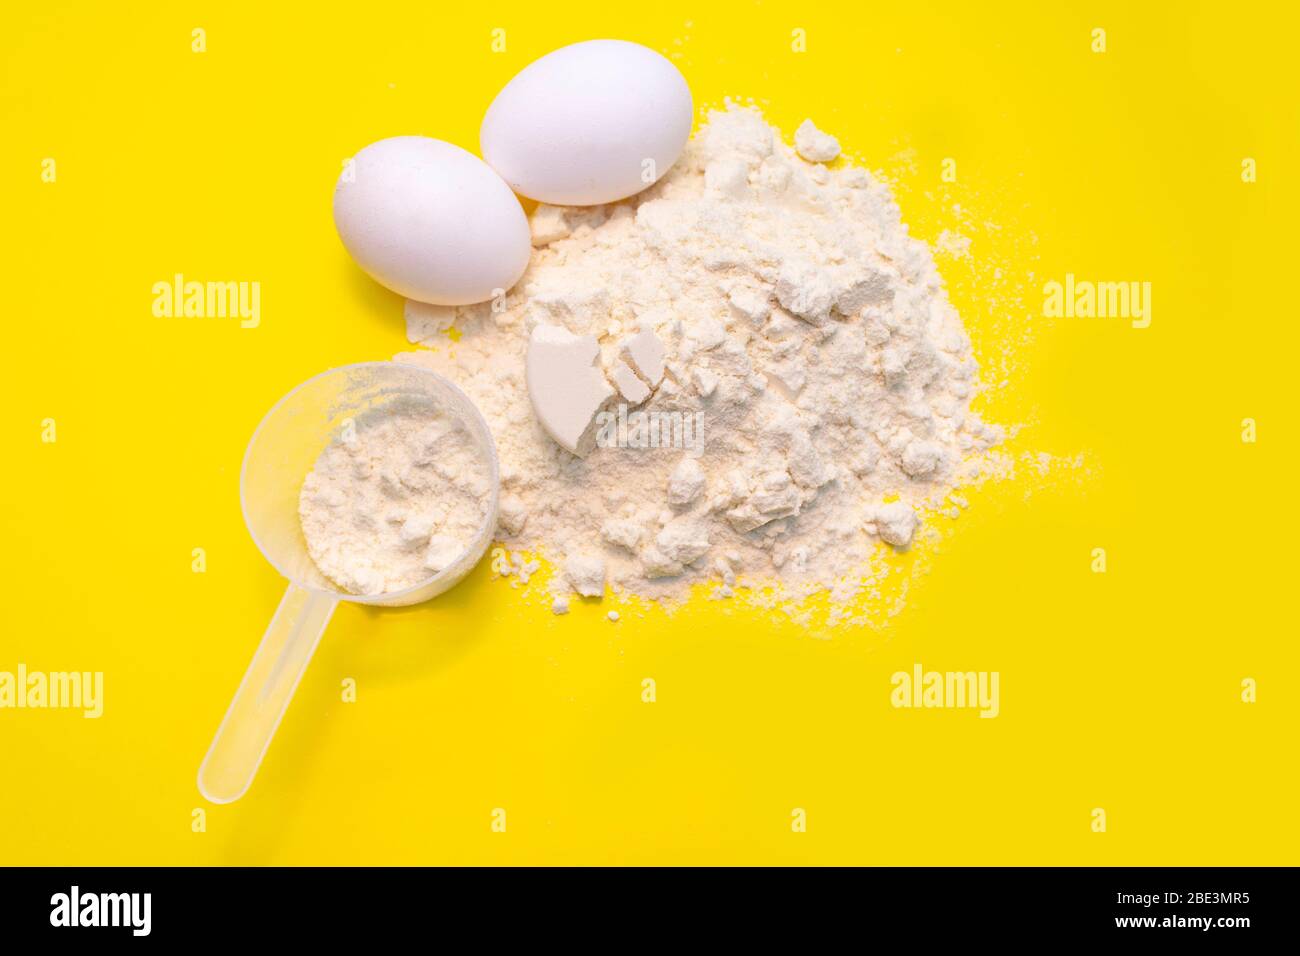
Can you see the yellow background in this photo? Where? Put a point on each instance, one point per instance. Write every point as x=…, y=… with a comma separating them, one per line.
x=1118, y=690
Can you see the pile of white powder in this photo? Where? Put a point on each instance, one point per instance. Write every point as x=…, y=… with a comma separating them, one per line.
x=396, y=498
x=803, y=329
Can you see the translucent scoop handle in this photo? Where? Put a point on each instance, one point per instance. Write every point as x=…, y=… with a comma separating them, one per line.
x=264, y=694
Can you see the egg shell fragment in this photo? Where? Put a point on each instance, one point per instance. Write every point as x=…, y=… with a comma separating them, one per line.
x=565, y=386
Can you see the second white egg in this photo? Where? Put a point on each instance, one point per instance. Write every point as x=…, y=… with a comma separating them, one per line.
x=431, y=221
x=590, y=123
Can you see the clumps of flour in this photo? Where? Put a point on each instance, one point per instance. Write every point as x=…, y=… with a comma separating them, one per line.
x=806, y=338
x=399, y=496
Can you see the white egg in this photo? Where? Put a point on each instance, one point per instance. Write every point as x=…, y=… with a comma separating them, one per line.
x=589, y=123
x=431, y=221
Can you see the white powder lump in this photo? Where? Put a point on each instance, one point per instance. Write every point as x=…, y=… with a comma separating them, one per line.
x=512, y=515
x=396, y=498
x=814, y=145
x=779, y=305
x=586, y=573
x=685, y=483
x=896, y=523
x=548, y=224
x=426, y=323
x=622, y=532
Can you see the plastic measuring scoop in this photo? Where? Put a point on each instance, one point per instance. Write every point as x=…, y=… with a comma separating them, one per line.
x=280, y=454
